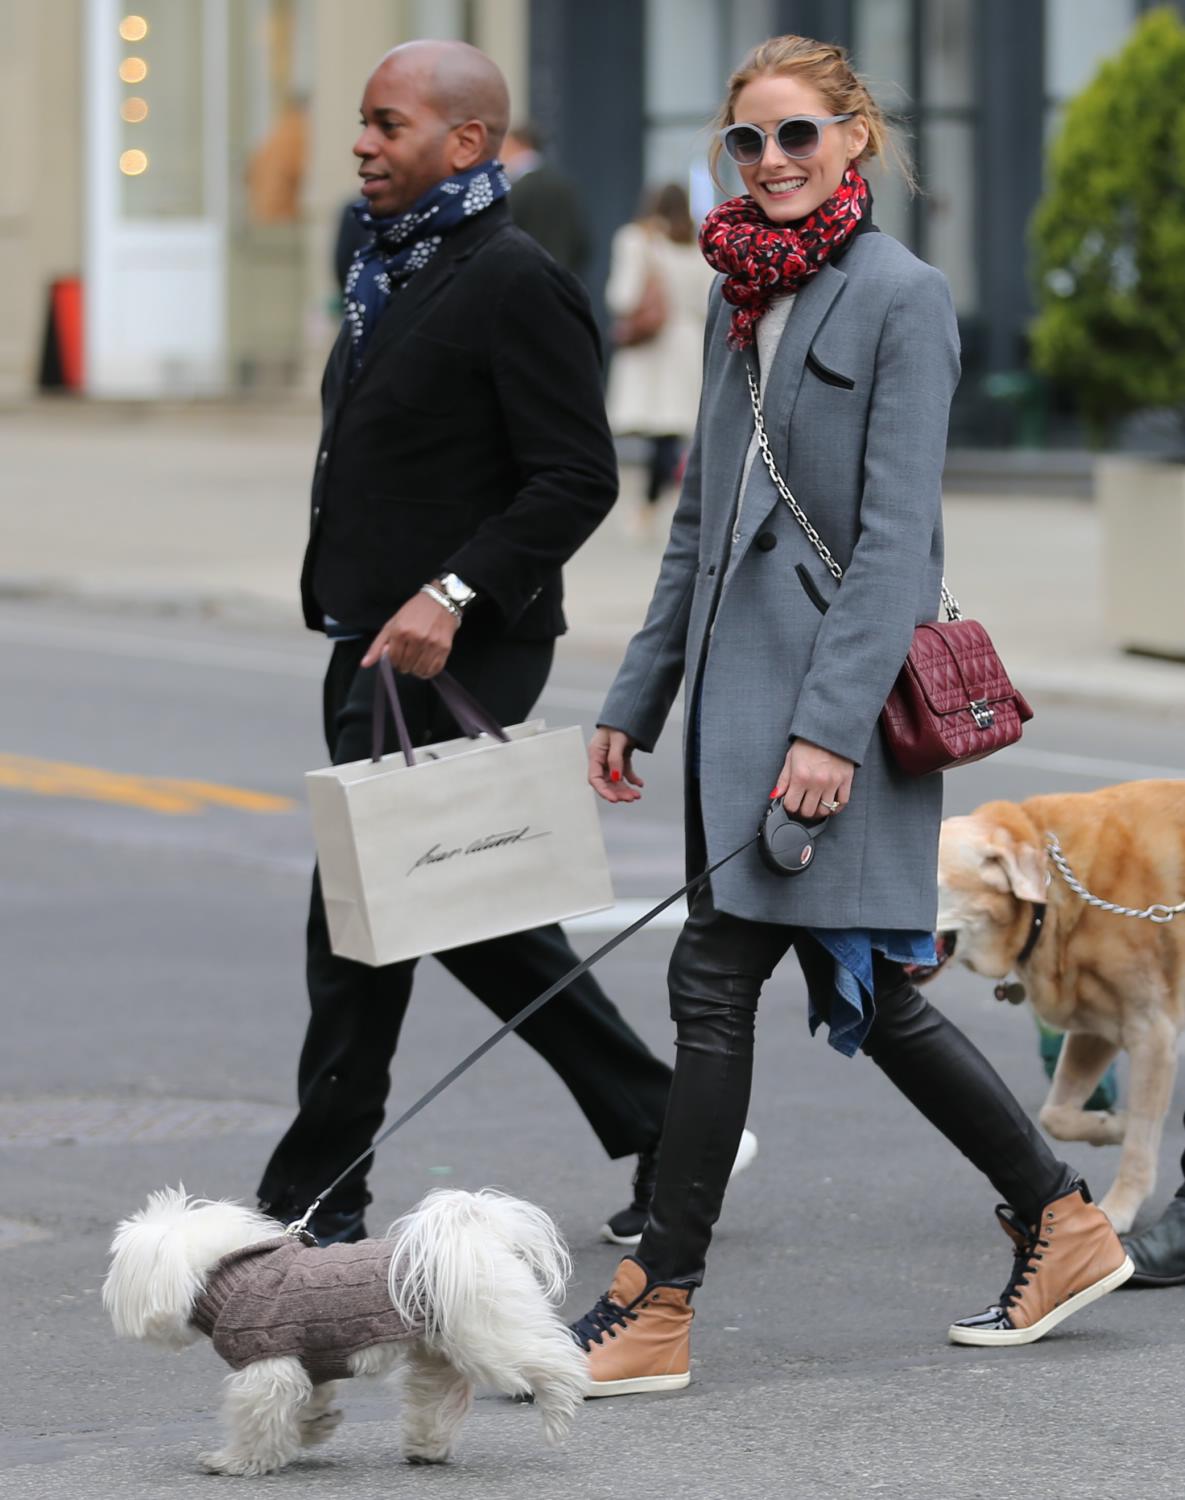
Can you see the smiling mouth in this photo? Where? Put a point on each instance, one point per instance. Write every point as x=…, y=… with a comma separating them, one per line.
x=783, y=187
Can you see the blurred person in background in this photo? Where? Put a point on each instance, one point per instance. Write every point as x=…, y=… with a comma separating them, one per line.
x=657, y=293
x=545, y=202
x=276, y=169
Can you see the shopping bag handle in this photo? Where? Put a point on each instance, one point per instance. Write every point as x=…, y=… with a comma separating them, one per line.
x=472, y=719
x=471, y=716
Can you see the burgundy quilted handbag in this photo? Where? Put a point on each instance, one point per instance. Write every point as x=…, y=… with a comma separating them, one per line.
x=952, y=702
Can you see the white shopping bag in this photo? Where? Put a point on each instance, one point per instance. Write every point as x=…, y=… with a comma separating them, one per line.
x=477, y=839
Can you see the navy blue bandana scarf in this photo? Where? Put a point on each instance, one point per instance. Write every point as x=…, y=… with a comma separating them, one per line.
x=405, y=243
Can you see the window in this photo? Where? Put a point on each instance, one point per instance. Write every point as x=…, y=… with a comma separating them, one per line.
x=1079, y=35
x=884, y=54
x=276, y=74
x=161, y=131
x=691, y=48
x=919, y=58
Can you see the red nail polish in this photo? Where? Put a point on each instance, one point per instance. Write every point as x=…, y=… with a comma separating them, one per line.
x=614, y=775
x=773, y=794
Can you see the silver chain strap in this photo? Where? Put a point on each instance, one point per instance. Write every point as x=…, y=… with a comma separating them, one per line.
x=1157, y=912
x=949, y=602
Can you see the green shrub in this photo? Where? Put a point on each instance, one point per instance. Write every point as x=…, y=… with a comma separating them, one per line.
x=1109, y=234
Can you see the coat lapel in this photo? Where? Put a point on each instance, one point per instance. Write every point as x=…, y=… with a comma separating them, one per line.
x=337, y=371
x=811, y=307
x=404, y=310
x=407, y=307
x=730, y=422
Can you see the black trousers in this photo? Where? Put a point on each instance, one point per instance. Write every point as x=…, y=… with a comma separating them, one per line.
x=717, y=969
x=357, y=1010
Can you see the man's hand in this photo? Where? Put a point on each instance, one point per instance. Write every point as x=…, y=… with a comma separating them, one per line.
x=418, y=638
x=812, y=777
x=610, y=767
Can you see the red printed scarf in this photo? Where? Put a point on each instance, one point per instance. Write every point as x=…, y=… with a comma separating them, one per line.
x=762, y=259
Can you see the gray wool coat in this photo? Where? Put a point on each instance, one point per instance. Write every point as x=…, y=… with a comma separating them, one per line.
x=856, y=405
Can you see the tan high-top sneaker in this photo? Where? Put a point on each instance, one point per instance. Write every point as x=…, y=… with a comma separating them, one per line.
x=1068, y=1259
x=638, y=1336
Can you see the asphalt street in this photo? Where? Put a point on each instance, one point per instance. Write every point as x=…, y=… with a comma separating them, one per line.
x=156, y=855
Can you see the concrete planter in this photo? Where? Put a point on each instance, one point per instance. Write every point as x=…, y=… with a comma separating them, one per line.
x=1142, y=509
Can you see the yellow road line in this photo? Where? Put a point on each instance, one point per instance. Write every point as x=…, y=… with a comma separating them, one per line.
x=162, y=794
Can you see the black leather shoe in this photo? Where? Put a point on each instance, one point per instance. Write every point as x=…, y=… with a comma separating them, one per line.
x=627, y=1224
x=1159, y=1252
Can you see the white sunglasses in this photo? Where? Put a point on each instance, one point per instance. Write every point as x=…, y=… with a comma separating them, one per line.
x=798, y=136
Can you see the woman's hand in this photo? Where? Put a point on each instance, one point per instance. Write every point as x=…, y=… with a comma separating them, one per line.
x=610, y=766
x=812, y=776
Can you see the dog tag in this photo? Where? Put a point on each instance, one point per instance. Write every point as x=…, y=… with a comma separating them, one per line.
x=1014, y=993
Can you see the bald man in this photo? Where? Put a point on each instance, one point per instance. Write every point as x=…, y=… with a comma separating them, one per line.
x=464, y=457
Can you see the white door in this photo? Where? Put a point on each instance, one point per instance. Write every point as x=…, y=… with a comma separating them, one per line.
x=156, y=212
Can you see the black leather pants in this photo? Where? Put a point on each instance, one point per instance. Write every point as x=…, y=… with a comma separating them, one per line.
x=716, y=973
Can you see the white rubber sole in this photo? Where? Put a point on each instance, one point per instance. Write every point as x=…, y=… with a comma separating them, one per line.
x=745, y=1157
x=986, y=1338
x=746, y=1153
x=619, y=1239
x=641, y=1386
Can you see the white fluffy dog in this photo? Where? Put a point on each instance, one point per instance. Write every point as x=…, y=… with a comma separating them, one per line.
x=463, y=1290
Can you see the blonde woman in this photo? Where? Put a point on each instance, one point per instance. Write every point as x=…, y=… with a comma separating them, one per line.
x=853, y=345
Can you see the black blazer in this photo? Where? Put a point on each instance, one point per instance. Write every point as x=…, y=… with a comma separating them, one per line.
x=472, y=441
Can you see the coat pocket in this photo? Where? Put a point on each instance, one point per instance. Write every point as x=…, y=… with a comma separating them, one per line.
x=827, y=375
x=811, y=589
x=434, y=379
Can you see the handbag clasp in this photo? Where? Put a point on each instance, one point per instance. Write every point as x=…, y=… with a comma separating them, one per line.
x=983, y=715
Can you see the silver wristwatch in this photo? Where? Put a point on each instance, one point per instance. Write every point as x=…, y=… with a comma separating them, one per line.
x=457, y=592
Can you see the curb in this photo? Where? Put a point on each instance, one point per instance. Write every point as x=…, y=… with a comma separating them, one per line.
x=1106, y=683
x=227, y=604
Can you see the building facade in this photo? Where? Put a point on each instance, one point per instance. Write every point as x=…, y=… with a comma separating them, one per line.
x=975, y=88
x=201, y=164
x=189, y=161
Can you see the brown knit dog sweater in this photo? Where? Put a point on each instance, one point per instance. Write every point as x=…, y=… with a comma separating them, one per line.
x=284, y=1298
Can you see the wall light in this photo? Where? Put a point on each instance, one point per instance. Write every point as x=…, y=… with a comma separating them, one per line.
x=133, y=70
x=134, y=110
x=132, y=163
x=133, y=28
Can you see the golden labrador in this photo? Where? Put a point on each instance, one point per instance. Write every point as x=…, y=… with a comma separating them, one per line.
x=1108, y=981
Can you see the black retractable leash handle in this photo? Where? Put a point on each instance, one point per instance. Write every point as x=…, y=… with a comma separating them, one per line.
x=788, y=844
x=298, y=1228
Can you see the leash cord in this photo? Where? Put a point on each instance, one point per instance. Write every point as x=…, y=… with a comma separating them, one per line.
x=299, y=1227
